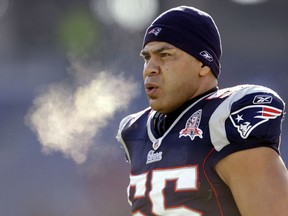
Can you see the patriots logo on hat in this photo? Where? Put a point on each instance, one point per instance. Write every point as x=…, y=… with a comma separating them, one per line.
x=155, y=31
x=248, y=118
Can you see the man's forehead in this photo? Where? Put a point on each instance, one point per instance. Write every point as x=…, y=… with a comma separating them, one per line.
x=157, y=46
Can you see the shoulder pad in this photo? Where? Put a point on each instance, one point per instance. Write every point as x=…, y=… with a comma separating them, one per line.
x=244, y=113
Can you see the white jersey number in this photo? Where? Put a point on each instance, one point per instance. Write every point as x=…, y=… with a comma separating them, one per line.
x=186, y=179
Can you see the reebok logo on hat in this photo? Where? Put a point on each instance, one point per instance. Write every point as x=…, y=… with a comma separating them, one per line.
x=206, y=55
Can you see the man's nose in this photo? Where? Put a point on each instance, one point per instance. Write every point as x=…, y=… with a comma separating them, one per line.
x=151, y=67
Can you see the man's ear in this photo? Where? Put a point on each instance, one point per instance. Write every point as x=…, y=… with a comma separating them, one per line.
x=204, y=70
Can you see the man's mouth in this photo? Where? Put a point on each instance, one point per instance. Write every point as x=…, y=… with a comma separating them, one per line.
x=151, y=89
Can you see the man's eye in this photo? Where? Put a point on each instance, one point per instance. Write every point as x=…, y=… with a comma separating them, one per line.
x=146, y=57
x=165, y=54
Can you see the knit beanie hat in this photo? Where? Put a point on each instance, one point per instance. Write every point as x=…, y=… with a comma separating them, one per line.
x=190, y=30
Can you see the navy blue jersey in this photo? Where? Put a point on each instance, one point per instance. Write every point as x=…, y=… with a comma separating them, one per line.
x=175, y=174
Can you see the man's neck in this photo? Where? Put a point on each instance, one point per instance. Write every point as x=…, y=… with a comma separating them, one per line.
x=163, y=121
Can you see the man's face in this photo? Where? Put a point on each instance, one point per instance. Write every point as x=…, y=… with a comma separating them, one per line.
x=171, y=76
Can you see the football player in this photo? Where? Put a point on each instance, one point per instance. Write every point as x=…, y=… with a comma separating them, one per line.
x=198, y=150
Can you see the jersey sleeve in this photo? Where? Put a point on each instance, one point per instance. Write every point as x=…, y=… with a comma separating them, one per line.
x=124, y=125
x=250, y=117
x=124, y=122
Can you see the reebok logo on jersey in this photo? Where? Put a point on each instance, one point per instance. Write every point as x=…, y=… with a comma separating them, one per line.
x=153, y=156
x=205, y=54
x=248, y=118
x=262, y=99
x=192, y=129
x=155, y=31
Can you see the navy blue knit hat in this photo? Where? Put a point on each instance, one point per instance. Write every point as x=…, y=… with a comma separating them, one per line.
x=190, y=30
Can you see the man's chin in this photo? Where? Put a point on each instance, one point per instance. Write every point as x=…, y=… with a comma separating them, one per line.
x=157, y=107
x=154, y=104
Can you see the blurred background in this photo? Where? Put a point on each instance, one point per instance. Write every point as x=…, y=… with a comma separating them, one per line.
x=70, y=71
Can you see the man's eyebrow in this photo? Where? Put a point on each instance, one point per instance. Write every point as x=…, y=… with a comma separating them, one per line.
x=159, y=50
